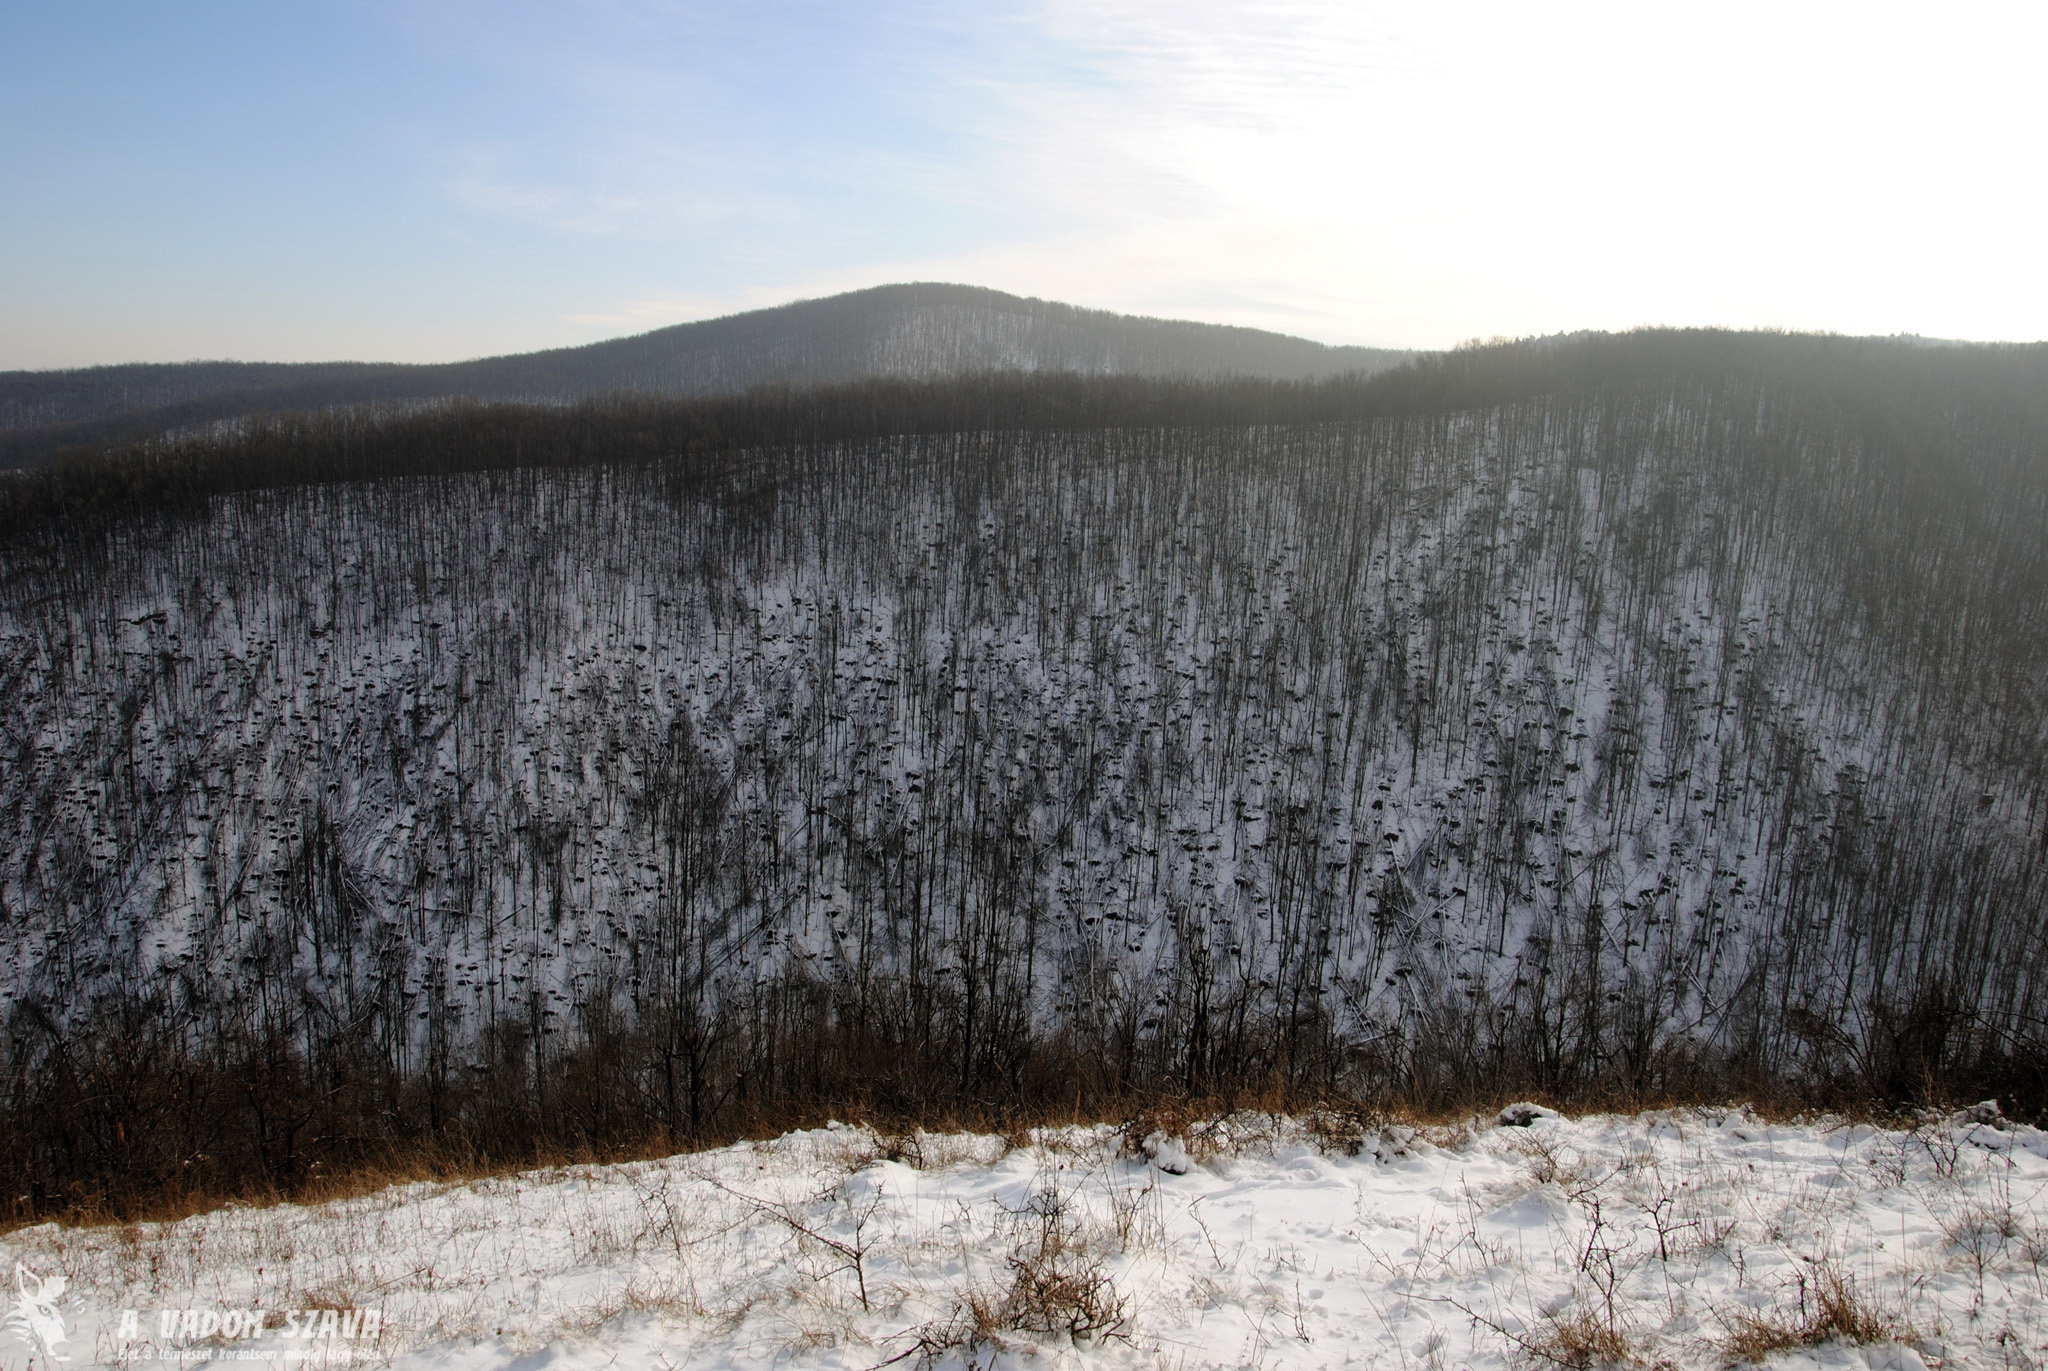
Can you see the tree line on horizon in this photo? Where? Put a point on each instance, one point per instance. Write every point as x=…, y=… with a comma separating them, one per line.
x=1893, y=390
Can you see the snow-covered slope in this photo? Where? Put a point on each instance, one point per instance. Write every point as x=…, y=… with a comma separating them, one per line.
x=1682, y=1239
x=1555, y=735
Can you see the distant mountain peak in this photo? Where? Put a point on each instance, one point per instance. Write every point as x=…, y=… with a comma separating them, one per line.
x=906, y=329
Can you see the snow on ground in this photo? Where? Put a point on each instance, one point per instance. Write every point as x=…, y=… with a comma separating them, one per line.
x=1279, y=710
x=1686, y=1238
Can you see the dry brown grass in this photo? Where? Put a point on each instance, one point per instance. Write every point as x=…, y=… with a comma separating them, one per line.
x=1581, y=1341
x=1829, y=1308
x=1055, y=1285
x=1337, y=1125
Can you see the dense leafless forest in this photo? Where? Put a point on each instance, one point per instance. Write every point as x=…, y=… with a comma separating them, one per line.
x=1608, y=717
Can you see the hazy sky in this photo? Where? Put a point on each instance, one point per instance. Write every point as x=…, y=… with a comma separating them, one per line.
x=431, y=179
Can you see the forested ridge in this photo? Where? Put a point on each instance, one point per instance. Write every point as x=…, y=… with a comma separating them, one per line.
x=1606, y=717
x=915, y=331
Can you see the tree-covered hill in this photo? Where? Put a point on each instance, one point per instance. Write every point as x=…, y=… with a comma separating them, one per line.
x=1647, y=713
x=919, y=330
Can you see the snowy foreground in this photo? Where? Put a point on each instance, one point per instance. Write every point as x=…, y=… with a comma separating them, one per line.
x=1685, y=1239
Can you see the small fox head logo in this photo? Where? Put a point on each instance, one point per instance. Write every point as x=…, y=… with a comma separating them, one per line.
x=34, y=1317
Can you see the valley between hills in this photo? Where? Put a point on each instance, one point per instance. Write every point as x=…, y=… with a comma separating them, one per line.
x=433, y=789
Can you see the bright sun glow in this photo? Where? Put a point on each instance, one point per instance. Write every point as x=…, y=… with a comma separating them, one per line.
x=452, y=178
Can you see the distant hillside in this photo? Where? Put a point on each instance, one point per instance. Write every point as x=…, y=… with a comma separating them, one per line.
x=903, y=330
